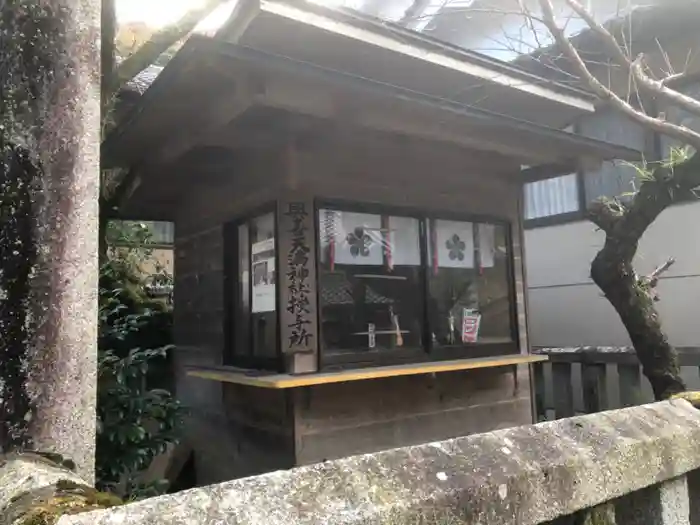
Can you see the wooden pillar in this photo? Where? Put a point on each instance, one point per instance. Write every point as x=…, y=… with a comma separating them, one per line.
x=595, y=392
x=298, y=315
x=539, y=389
x=563, y=390
x=630, y=384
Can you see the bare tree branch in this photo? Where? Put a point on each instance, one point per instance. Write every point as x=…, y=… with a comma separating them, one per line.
x=657, y=88
x=665, y=93
x=671, y=79
x=681, y=133
x=653, y=278
x=624, y=225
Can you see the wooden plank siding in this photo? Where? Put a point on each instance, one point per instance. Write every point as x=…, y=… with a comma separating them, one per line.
x=230, y=439
x=353, y=418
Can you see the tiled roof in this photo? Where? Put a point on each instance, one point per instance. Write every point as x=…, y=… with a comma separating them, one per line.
x=141, y=82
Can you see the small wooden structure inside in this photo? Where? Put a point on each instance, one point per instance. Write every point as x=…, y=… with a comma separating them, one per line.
x=347, y=201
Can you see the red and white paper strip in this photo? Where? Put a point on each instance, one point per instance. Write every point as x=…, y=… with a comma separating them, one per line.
x=471, y=319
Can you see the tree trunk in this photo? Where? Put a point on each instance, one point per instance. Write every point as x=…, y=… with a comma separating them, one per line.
x=49, y=178
x=612, y=271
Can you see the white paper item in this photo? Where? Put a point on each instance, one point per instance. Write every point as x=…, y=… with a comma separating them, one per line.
x=360, y=239
x=264, y=290
x=454, y=243
x=404, y=241
x=268, y=245
x=455, y=237
x=487, y=244
x=263, y=272
x=357, y=237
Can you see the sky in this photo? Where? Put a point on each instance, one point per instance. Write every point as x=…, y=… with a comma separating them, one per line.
x=155, y=13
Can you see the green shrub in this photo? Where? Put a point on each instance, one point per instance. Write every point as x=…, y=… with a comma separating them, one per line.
x=136, y=420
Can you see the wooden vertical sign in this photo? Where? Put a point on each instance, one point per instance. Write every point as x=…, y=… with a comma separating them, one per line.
x=298, y=309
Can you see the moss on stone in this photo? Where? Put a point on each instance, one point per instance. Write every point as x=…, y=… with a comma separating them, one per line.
x=691, y=397
x=44, y=507
x=600, y=515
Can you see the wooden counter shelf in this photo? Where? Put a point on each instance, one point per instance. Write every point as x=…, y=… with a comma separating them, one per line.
x=281, y=381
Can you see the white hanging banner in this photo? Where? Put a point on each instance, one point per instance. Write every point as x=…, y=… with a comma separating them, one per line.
x=358, y=239
x=368, y=239
x=403, y=241
x=487, y=244
x=454, y=244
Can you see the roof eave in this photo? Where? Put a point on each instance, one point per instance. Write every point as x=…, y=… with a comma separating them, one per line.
x=411, y=43
x=607, y=151
x=585, y=148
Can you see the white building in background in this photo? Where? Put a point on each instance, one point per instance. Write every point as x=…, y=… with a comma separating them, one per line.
x=566, y=307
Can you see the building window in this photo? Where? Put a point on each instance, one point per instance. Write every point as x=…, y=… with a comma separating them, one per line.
x=412, y=287
x=613, y=178
x=469, y=287
x=557, y=196
x=263, y=286
x=251, y=324
x=562, y=197
x=370, y=281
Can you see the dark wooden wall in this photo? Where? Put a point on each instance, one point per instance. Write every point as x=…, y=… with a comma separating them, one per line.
x=343, y=419
x=349, y=418
x=230, y=438
x=237, y=430
x=372, y=167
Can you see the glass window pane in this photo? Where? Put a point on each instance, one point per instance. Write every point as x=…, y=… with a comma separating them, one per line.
x=264, y=287
x=242, y=319
x=549, y=197
x=370, y=281
x=469, y=291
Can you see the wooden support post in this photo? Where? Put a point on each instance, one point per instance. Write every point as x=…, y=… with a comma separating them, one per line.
x=630, y=380
x=299, y=335
x=539, y=383
x=563, y=390
x=595, y=391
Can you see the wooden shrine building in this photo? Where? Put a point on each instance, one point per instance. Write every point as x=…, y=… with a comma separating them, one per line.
x=347, y=200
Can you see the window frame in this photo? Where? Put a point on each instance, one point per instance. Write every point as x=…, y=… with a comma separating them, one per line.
x=571, y=216
x=652, y=148
x=560, y=218
x=233, y=292
x=427, y=352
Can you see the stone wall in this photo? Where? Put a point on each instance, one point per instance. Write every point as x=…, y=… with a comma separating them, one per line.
x=625, y=467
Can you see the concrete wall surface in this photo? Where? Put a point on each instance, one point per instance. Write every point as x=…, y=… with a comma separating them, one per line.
x=567, y=309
